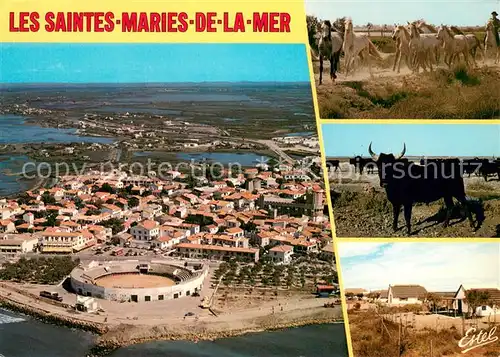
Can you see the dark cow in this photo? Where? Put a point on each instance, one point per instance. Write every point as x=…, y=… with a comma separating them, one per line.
x=407, y=183
x=360, y=163
x=333, y=163
x=488, y=168
x=471, y=166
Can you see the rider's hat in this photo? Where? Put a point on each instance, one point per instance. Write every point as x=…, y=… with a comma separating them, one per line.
x=494, y=13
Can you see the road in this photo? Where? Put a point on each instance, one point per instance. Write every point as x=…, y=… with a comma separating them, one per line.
x=275, y=148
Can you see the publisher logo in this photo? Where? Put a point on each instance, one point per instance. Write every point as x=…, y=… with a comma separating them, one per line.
x=473, y=340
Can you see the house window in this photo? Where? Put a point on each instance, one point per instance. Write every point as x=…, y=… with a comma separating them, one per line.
x=176, y=296
x=147, y=298
x=160, y=297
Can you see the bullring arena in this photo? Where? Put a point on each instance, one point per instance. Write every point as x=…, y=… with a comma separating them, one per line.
x=136, y=281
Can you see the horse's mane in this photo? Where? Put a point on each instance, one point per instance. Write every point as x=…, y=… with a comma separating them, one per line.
x=417, y=28
x=413, y=27
x=456, y=30
x=405, y=31
x=447, y=30
x=348, y=25
x=328, y=23
x=430, y=27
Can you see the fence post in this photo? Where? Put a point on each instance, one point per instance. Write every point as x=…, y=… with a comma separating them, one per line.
x=399, y=339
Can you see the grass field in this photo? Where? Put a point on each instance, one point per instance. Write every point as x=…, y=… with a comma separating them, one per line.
x=459, y=93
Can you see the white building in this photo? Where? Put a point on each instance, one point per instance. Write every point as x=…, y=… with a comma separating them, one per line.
x=281, y=254
x=146, y=230
x=86, y=304
x=406, y=294
x=61, y=242
x=13, y=244
x=7, y=226
x=460, y=299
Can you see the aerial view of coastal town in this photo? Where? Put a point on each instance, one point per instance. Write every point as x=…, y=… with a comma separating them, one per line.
x=147, y=196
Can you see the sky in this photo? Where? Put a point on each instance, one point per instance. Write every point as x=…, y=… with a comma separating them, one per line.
x=143, y=63
x=378, y=12
x=436, y=266
x=457, y=140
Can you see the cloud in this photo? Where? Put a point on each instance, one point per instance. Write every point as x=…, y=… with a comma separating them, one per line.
x=359, y=249
x=436, y=266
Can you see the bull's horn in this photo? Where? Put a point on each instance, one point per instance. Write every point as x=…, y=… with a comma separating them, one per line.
x=372, y=154
x=402, y=152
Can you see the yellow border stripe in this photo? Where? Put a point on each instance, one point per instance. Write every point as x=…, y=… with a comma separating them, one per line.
x=328, y=198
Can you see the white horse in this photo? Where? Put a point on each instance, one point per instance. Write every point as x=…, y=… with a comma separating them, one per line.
x=402, y=38
x=474, y=43
x=490, y=42
x=357, y=45
x=453, y=45
x=429, y=35
x=420, y=50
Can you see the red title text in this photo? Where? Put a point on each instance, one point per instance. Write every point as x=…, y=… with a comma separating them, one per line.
x=149, y=22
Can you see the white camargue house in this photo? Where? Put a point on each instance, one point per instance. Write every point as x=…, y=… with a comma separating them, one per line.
x=398, y=295
x=491, y=308
x=281, y=254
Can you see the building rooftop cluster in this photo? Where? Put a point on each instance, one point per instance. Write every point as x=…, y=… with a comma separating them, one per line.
x=231, y=216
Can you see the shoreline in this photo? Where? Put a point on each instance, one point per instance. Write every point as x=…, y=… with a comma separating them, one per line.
x=111, y=337
x=105, y=346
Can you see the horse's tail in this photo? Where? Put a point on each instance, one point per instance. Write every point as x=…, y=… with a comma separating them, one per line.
x=373, y=50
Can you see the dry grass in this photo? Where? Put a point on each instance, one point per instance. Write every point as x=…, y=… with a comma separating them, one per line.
x=373, y=201
x=373, y=338
x=459, y=93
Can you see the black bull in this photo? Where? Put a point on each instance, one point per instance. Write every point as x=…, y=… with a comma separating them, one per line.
x=360, y=163
x=407, y=183
x=333, y=164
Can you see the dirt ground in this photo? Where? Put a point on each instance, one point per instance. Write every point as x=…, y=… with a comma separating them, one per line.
x=361, y=209
x=133, y=281
x=456, y=93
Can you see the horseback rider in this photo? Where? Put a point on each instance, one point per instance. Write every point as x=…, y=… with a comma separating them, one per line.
x=496, y=25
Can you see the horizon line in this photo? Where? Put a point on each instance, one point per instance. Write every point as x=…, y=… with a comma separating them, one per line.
x=125, y=83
